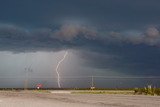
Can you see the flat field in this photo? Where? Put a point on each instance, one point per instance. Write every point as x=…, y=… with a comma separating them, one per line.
x=75, y=99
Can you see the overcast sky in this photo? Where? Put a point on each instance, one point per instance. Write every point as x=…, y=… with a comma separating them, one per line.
x=102, y=37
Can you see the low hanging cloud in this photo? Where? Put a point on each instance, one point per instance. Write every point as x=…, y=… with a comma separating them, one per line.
x=68, y=32
x=127, y=51
x=13, y=32
x=152, y=36
x=149, y=37
x=14, y=38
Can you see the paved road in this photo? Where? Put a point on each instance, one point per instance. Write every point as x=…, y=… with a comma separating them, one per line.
x=37, y=99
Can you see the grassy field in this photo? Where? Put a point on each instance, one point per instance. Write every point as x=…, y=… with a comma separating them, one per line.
x=136, y=91
x=103, y=92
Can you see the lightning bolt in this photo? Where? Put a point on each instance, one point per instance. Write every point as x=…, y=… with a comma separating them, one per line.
x=57, y=67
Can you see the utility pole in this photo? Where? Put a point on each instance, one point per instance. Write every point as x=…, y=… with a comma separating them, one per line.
x=26, y=80
x=92, y=83
x=27, y=71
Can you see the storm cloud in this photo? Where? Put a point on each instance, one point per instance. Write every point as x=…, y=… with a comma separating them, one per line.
x=16, y=38
x=119, y=51
x=119, y=36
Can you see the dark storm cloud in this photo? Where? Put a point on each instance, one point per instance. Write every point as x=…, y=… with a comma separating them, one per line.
x=15, y=38
x=126, y=58
x=68, y=32
x=150, y=36
x=128, y=51
x=112, y=14
x=124, y=34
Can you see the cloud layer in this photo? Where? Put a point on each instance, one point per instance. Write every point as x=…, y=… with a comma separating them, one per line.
x=68, y=32
x=151, y=36
x=128, y=51
x=14, y=38
x=20, y=39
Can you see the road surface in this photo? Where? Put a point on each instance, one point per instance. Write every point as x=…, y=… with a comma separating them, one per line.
x=44, y=99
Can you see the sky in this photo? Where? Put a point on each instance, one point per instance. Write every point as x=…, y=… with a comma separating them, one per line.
x=113, y=38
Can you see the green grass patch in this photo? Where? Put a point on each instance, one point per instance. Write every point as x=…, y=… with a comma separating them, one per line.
x=104, y=92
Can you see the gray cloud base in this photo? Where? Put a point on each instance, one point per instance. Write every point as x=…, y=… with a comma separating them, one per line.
x=14, y=38
x=128, y=52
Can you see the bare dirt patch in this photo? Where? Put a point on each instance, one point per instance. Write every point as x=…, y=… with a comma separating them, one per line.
x=45, y=99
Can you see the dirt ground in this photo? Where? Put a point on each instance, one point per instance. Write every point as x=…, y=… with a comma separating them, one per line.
x=44, y=99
